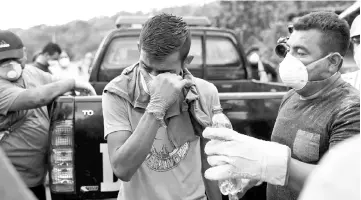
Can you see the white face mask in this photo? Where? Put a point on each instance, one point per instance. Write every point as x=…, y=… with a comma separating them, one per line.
x=293, y=72
x=64, y=62
x=144, y=84
x=253, y=58
x=11, y=71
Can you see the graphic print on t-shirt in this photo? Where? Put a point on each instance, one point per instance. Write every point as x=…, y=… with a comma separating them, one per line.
x=164, y=156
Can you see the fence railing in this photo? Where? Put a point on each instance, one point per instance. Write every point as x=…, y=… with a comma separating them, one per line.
x=222, y=96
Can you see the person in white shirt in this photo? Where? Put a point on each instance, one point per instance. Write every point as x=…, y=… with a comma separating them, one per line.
x=353, y=77
x=65, y=68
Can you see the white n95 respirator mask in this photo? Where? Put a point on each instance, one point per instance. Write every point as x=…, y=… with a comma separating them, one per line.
x=253, y=58
x=11, y=71
x=64, y=62
x=293, y=72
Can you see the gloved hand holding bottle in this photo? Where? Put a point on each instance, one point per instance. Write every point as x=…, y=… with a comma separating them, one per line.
x=236, y=156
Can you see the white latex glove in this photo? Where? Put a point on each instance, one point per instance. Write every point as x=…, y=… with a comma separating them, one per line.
x=164, y=90
x=246, y=157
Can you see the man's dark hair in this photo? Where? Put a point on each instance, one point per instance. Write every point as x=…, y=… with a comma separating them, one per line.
x=51, y=49
x=336, y=32
x=163, y=35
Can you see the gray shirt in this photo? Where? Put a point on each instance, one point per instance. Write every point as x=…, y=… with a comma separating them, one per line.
x=26, y=139
x=12, y=187
x=167, y=172
x=311, y=126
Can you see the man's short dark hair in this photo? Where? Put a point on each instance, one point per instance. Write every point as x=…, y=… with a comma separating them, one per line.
x=51, y=49
x=163, y=35
x=336, y=32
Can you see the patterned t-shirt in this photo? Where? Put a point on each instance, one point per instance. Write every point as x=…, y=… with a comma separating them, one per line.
x=25, y=133
x=167, y=172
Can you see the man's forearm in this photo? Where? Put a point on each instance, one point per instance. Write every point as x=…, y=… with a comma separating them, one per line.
x=58, y=88
x=298, y=173
x=133, y=152
x=41, y=96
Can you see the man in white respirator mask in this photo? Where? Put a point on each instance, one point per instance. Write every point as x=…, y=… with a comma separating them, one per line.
x=345, y=158
x=25, y=92
x=319, y=112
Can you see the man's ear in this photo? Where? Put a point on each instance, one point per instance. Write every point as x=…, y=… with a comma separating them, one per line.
x=188, y=60
x=25, y=54
x=336, y=61
x=24, y=59
x=138, y=46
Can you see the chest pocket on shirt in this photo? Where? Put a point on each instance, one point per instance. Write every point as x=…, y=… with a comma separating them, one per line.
x=307, y=146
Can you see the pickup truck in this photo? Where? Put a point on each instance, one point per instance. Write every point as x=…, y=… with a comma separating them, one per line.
x=79, y=165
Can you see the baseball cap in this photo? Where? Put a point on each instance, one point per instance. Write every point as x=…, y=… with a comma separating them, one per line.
x=356, y=27
x=11, y=45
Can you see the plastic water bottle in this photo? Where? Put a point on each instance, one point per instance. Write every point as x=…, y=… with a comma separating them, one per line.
x=227, y=187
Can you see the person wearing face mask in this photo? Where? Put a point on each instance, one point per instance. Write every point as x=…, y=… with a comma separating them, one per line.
x=320, y=111
x=65, y=67
x=49, y=56
x=353, y=78
x=154, y=114
x=345, y=157
x=260, y=70
x=64, y=60
x=25, y=92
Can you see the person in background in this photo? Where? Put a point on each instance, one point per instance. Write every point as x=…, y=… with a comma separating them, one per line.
x=48, y=56
x=353, y=77
x=85, y=65
x=25, y=92
x=35, y=56
x=320, y=111
x=65, y=68
x=260, y=70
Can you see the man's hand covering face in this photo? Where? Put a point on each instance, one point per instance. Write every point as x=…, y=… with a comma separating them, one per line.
x=164, y=90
